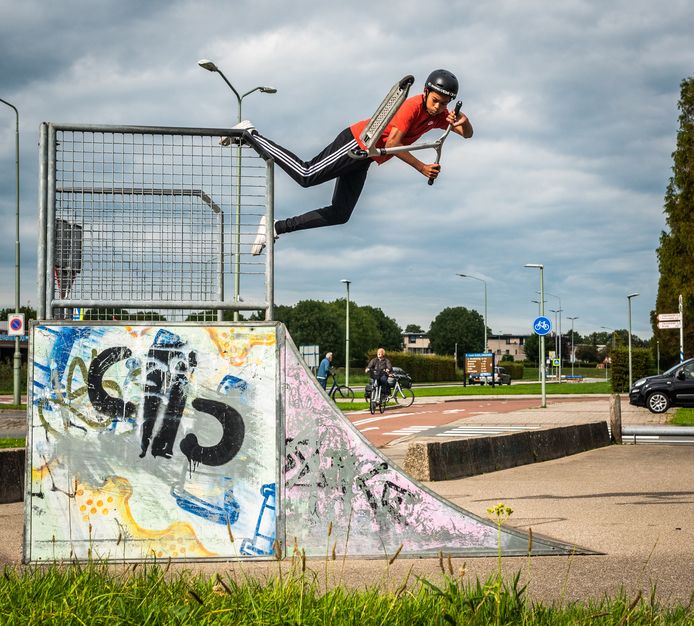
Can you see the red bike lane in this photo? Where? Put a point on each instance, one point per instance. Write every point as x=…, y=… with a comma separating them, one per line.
x=395, y=422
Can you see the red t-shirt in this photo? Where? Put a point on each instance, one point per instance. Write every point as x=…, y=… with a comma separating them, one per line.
x=412, y=120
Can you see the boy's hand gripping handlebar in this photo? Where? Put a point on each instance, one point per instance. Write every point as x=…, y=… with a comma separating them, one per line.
x=439, y=143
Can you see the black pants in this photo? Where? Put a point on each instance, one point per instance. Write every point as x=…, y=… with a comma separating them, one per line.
x=332, y=162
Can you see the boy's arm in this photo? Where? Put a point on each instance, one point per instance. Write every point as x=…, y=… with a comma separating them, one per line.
x=430, y=170
x=460, y=126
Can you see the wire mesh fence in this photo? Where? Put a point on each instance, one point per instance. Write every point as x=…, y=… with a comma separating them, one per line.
x=151, y=223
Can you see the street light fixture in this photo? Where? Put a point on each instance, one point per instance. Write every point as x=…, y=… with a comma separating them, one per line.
x=629, y=297
x=484, y=349
x=558, y=333
x=542, y=337
x=17, y=367
x=347, y=283
x=573, y=356
x=211, y=67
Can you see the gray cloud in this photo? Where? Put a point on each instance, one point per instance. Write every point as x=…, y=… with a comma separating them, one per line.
x=574, y=107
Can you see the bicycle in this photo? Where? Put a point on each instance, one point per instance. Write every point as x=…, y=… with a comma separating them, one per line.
x=402, y=396
x=342, y=392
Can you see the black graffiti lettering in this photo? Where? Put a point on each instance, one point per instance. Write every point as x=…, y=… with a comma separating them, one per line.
x=392, y=496
x=166, y=381
x=233, y=432
x=106, y=404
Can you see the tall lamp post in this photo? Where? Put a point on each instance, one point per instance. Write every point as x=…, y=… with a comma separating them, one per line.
x=542, y=337
x=347, y=283
x=558, y=311
x=484, y=349
x=629, y=297
x=211, y=67
x=17, y=354
x=573, y=357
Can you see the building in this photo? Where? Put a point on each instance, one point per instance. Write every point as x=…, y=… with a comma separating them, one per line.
x=513, y=345
x=415, y=342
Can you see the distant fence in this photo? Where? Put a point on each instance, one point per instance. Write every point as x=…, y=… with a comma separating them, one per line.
x=151, y=223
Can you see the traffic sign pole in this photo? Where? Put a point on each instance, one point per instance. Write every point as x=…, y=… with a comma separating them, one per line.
x=681, y=331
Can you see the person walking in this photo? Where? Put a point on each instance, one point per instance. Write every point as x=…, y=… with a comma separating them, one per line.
x=324, y=369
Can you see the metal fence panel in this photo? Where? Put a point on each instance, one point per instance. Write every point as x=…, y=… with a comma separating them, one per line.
x=151, y=223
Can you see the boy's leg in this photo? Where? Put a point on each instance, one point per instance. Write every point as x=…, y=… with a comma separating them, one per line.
x=327, y=164
x=348, y=188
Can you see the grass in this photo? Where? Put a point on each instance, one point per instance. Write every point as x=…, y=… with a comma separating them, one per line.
x=9, y=406
x=96, y=594
x=19, y=442
x=683, y=417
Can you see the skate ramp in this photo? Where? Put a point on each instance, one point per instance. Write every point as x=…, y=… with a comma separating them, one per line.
x=188, y=442
x=340, y=491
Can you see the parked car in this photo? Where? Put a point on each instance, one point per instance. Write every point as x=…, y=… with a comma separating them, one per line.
x=501, y=377
x=675, y=387
x=403, y=377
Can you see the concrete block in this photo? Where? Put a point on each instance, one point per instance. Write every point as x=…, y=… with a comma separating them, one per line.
x=457, y=458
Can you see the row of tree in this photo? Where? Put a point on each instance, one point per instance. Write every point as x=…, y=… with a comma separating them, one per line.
x=455, y=329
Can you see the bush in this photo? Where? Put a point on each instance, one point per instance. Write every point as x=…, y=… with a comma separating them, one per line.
x=640, y=366
x=514, y=368
x=422, y=368
x=7, y=378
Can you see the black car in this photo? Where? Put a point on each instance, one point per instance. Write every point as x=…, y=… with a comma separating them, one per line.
x=403, y=377
x=672, y=388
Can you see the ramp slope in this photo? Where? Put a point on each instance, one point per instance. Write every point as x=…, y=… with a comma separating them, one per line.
x=341, y=491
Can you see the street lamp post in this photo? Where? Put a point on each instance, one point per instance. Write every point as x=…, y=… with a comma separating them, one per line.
x=347, y=283
x=558, y=311
x=211, y=67
x=573, y=357
x=629, y=297
x=484, y=349
x=542, y=337
x=17, y=354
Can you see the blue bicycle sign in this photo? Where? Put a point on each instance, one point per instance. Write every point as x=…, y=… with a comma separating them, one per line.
x=542, y=325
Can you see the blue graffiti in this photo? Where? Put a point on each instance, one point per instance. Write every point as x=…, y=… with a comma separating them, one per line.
x=229, y=382
x=226, y=514
x=65, y=339
x=264, y=538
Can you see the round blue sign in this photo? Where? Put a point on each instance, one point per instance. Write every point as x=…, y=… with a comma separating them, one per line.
x=542, y=325
x=16, y=324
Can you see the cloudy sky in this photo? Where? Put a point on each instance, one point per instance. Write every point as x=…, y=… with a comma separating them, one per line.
x=574, y=106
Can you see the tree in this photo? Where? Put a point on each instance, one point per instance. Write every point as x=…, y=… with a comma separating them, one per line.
x=315, y=322
x=29, y=313
x=413, y=328
x=456, y=325
x=676, y=250
x=587, y=353
x=390, y=337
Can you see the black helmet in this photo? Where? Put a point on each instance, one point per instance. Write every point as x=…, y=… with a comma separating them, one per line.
x=443, y=82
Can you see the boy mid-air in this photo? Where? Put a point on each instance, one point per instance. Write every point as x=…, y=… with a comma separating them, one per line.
x=416, y=116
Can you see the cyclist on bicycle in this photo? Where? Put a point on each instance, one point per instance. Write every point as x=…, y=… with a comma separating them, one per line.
x=380, y=367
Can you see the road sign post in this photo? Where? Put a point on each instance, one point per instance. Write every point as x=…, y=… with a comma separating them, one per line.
x=15, y=325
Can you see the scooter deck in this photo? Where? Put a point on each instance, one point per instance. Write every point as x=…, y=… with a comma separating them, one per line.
x=386, y=111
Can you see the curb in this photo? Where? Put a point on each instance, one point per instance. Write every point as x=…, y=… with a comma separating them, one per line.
x=458, y=458
x=12, y=475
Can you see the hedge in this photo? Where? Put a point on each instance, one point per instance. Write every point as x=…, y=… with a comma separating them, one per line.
x=514, y=368
x=640, y=367
x=422, y=368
